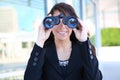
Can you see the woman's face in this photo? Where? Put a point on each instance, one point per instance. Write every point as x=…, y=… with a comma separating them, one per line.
x=61, y=31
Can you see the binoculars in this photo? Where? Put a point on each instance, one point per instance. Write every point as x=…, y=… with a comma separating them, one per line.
x=50, y=21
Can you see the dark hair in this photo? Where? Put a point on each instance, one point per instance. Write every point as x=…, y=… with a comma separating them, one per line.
x=65, y=9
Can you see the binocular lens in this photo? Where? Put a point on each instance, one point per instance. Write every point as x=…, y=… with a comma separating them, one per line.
x=72, y=22
x=48, y=22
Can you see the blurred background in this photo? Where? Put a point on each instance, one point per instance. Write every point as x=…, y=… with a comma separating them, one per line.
x=19, y=21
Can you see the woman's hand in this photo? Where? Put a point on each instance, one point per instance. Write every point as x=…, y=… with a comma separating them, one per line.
x=81, y=33
x=43, y=35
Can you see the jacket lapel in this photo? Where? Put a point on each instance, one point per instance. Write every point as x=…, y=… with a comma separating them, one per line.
x=52, y=57
x=75, y=58
x=71, y=61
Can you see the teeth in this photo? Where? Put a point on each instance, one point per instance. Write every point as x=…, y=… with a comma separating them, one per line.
x=62, y=32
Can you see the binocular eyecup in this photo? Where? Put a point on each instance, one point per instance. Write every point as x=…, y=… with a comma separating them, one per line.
x=50, y=21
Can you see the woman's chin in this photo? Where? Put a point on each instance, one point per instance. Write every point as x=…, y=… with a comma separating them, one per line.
x=62, y=38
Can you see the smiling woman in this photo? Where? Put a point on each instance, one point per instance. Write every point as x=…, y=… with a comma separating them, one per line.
x=62, y=52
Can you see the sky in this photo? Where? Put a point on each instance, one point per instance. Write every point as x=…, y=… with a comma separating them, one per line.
x=26, y=15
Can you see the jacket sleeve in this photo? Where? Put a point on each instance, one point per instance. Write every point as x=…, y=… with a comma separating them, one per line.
x=91, y=68
x=34, y=66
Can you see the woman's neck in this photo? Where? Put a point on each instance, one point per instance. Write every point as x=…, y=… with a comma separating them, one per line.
x=63, y=49
x=63, y=44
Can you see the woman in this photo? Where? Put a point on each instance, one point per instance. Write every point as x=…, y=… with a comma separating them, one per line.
x=63, y=53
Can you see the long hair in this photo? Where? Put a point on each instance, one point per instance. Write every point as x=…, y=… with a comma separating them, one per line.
x=65, y=9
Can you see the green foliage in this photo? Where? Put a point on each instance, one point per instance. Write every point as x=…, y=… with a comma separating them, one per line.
x=109, y=36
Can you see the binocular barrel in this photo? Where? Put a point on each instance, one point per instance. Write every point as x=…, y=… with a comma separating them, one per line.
x=70, y=21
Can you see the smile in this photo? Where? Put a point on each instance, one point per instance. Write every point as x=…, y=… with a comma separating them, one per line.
x=63, y=32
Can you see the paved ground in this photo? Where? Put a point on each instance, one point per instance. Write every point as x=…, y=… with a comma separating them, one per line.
x=109, y=58
x=111, y=70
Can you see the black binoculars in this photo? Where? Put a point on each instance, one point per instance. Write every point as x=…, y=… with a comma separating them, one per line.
x=50, y=21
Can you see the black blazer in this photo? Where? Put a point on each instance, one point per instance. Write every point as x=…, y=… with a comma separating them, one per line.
x=43, y=64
